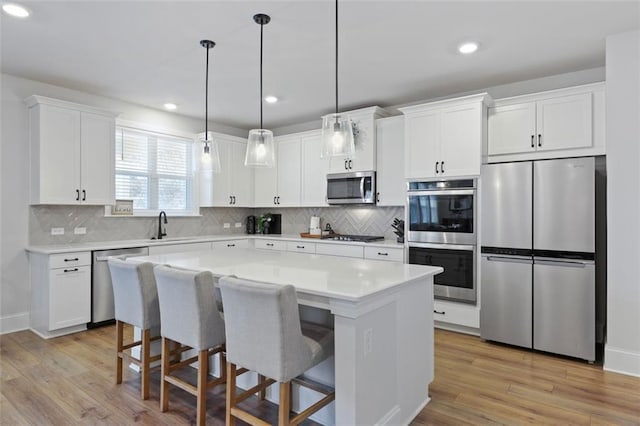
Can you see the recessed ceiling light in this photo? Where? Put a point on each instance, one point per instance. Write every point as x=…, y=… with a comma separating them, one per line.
x=15, y=10
x=271, y=99
x=170, y=106
x=468, y=47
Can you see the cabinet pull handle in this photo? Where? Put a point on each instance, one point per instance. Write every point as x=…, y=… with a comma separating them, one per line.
x=71, y=270
x=84, y=195
x=533, y=145
x=439, y=312
x=442, y=167
x=539, y=140
x=77, y=195
x=349, y=164
x=269, y=244
x=345, y=165
x=274, y=200
x=437, y=162
x=231, y=245
x=377, y=197
x=75, y=259
x=234, y=199
x=278, y=197
x=300, y=247
x=382, y=254
x=230, y=199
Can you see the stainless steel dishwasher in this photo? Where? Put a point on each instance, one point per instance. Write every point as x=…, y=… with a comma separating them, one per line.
x=102, y=308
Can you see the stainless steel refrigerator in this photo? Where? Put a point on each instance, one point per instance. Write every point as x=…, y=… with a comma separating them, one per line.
x=538, y=244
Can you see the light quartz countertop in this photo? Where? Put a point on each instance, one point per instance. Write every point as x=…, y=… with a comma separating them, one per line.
x=334, y=277
x=109, y=245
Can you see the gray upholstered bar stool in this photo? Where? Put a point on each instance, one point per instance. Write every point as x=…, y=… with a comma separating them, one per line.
x=136, y=303
x=265, y=335
x=189, y=315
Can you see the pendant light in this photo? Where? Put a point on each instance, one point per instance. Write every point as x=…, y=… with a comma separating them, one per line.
x=260, y=148
x=210, y=158
x=337, y=132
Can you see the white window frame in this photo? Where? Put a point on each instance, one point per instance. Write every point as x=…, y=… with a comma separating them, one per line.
x=194, y=187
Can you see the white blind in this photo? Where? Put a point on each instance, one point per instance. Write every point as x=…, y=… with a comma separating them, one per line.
x=154, y=170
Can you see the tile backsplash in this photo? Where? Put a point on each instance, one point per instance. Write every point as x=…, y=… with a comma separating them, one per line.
x=345, y=220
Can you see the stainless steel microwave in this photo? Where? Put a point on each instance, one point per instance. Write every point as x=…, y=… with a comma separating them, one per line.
x=351, y=188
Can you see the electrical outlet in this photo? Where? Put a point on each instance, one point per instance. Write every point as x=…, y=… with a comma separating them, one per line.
x=368, y=341
x=79, y=230
x=238, y=224
x=227, y=225
x=57, y=231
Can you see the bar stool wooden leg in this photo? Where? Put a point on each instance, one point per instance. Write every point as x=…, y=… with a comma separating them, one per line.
x=231, y=393
x=263, y=392
x=164, y=385
x=284, y=404
x=119, y=339
x=146, y=353
x=201, y=397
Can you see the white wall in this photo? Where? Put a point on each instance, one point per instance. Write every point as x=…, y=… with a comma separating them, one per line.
x=14, y=179
x=622, y=348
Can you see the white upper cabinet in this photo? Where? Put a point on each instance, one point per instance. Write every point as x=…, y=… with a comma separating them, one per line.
x=280, y=185
x=364, y=158
x=390, y=161
x=233, y=186
x=72, y=153
x=561, y=123
x=314, y=171
x=445, y=138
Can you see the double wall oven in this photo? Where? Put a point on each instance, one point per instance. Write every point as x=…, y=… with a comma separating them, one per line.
x=442, y=222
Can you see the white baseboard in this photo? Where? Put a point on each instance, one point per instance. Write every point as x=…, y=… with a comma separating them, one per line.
x=16, y=322
x=621, y=361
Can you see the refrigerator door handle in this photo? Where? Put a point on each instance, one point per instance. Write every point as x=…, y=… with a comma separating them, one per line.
x=564, y=262
x=509, y=259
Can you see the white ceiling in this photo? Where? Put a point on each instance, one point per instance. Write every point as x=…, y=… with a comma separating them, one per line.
x=391, y=52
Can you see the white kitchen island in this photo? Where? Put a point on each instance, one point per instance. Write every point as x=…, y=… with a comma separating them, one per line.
x=382, y=313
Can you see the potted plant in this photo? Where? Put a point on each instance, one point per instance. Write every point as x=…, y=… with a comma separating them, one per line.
x=264, y=222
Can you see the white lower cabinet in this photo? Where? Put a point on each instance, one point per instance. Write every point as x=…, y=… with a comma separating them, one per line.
x=178, y=248
x=342, y=250
x=392, y=254
x=301, y=247
x=61, y=292
x=277, y=245
x=460, y=314
x=229, y=244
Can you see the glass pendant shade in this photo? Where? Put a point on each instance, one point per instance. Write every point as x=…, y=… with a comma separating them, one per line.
x=260, y=149
x=210, y=156
x=337, y=136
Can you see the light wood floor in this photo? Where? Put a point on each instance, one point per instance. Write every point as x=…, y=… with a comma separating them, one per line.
x=70, y=380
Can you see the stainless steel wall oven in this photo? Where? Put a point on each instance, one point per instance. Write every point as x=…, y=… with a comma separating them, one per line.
x=442, y=222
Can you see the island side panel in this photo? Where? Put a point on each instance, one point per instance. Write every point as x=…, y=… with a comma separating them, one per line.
x=384, y=355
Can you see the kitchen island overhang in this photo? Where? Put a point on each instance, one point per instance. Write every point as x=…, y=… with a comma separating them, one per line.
x=383, y=322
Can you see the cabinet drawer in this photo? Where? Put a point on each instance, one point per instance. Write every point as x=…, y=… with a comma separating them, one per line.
x=456, y=313
x=66, y=260
x=391, y=254
x=301, y=247
x=271, y=245
x=343, y=250
x=229, y=244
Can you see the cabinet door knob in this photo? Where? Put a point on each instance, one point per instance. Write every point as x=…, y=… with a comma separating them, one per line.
x=437, y=162
x=532, y=141
x=84, y=195
x=539, y=140
x=77, y=195
x=442, y=167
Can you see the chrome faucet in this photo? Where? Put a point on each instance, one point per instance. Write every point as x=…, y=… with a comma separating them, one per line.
x=160, y=232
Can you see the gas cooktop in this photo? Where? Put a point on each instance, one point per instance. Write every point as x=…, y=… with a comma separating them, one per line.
x=359, y=238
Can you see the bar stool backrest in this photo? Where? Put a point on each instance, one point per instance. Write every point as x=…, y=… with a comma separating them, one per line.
x=134, y=293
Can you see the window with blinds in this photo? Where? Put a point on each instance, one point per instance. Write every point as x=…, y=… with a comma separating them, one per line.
x=154, y=170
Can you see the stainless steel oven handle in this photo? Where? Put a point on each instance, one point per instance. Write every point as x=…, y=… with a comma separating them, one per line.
x=468, y=247
x=528, y=260
x=418, y=192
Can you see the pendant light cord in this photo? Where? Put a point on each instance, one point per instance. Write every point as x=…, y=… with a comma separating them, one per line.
x=206, y=101
x=261, y=29
x=336, y=57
